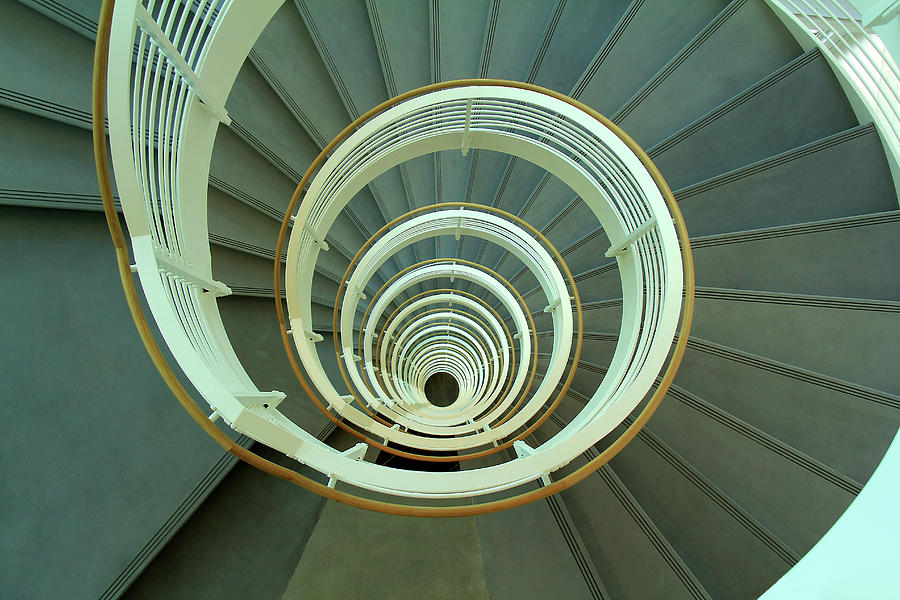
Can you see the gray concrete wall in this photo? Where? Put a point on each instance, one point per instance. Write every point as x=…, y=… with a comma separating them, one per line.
x=244, y=543
x=97, y=455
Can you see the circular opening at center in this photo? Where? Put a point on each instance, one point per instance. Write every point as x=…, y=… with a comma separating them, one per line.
x=441, y=389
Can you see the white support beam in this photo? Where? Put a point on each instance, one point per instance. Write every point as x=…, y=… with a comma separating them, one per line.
x=175, y=267
x=522, y=449
x=466, y=136
x=622, y=247
x=357, y=452
x=267, y=400
x=553, y=305
x=149, y=25
x=317, y=239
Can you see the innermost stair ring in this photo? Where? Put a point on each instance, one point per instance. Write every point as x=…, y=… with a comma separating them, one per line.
x=596, y=160
x=441, y=389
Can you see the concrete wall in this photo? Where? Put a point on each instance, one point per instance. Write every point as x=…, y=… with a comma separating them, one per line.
x=99, y=463
x=244, y=543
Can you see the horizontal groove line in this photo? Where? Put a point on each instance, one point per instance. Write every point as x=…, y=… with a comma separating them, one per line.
x=174, y=522
x=785, y=299
x=678, y=60
x=435, y=42
x=69, y=15
x=774, y=161
x=736, y=102
x=473, y=168
x=761, y=438
x=534, y=195
x=650, y=531
x=601, y=270
x=245, y=198
x=240, y=290
x=244, y=246
x=792, y=372
x=716, y=495
x=381, y=48
x=601, y=304
x=572, y=540
x=498, y=195
x=257, y=145
x=48, y=106
x=798, y=229
x=325, y=55
x=562, y=215
x=639, y=517
x=726, y=419
x=488, y=45
x=545, y=41
x=604, y=51
x=501, y=189
x=585, y=240
x=61, y=198
x=760, y=234
x=288, y=99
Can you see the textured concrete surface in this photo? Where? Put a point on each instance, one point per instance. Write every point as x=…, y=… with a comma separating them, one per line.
x=97, y=453
x=527, y=556
x=359, y=555
x=441, y=389
x=243, y=542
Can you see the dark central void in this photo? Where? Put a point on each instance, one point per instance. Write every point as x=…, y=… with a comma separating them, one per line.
x=441, y=389
x=410, y=464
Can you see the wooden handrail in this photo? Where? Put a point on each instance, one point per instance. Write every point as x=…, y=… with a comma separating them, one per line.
x=474, y=298
x=413, y=455
x=98, y=106
x=343, y=285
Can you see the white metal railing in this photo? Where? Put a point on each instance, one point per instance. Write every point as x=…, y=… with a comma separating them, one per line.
x=447, y=269
x=585, y=155
x=470, y=223
x=859, y=57
x=158, y=97
x=165, y=103
x=503, y=346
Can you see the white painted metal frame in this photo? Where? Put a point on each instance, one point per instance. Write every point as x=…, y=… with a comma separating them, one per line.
x=481, y=279
x=161, y=136
x=473, y=223
x=858, y=57
x=594, y=163
x=162, y=127
x=428, y=414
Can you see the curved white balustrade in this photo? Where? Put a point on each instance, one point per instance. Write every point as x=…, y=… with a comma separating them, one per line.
x=427, y=414
x=161, y=137
x=164, y=110
x=162, y=126
x=465, y=222
x=578, y=150
x=479, y=278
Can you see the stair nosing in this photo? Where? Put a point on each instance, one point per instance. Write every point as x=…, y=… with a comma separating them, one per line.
x=603, y=52
x=773, y=161
x=735, y=102
x=676, y=61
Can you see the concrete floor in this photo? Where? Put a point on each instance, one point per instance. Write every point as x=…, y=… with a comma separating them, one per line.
x=356, y=554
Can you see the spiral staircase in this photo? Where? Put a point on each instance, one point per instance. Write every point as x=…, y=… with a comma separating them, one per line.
x=784, y=403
